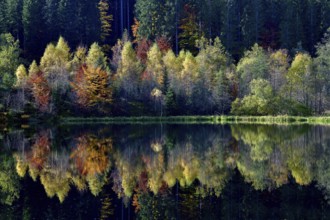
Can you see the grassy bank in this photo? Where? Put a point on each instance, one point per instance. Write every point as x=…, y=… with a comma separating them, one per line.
x=200, y=120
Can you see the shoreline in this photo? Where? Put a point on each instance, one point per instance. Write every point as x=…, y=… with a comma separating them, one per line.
x=215, y=119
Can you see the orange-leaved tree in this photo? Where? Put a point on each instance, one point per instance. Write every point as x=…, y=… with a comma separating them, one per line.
x=40, y=91
x=92, y=87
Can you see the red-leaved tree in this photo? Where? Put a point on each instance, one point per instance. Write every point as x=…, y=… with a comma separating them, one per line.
x=40, y=90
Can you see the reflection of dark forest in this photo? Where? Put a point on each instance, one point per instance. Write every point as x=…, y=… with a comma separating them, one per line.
x=166, y=171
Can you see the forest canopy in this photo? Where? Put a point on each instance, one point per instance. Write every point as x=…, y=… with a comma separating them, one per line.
x=169, y=57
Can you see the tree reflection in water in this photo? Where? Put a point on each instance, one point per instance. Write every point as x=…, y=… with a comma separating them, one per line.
x=160, y=169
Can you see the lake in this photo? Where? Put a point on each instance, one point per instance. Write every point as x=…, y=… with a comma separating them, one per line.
x=166, y=171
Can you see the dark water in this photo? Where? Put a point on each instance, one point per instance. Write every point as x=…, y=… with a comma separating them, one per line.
x=166, y=172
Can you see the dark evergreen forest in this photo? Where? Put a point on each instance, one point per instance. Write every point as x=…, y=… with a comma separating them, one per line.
x=290, y=24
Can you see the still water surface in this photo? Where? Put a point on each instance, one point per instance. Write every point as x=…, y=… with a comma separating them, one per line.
x=166, y=171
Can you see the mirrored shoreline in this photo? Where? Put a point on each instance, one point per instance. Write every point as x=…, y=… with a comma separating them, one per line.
x=167, y=171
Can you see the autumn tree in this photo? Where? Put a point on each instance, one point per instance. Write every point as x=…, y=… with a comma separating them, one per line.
x=213, y=64
x=33, y=69
x=106, y=18
x=142, y=48
x=41, y=91
x=54, y=64
x=79, y=59
x=154, y=74
x=129, y=73
x=164, y=44
x=21, y=76
x=173, y=66
x=278, y=67
x=116, y=52
x=96, y=57
x=91, y=81
x=18, y=97
x=94, y=88
x=298, y=78
x=188, y=77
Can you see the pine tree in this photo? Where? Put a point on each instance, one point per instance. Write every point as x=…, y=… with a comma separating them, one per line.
x=232, y=30
x=9, y=59
x=190, y=31
x=291, y=24
x=155, y=19
x=252, y=22
x=278, y=67
x=148, y=18
x=14, y=18
x=32, y=19
x=170, y=103
x=321, y=75
x=51, y=19
x=68, y=19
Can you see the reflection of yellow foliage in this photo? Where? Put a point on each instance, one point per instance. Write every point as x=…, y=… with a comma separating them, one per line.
x=155, y=171
x=230, y=161
x=190, y=171
x=128, y=185
x=79, y=182
x=156, y=146
x=129, y=170
x=34, y=173
x=96, y=183
x=173, y=174
x=261, y=163
x=300, y=165
x=106, y=210
x=55, y=184
x=300, y=171
x=21, y=166
x=169, y=178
